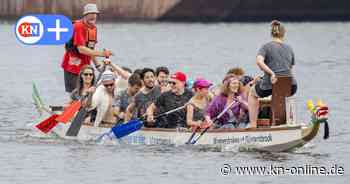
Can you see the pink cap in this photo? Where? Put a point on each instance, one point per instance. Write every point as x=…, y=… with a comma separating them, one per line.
x=202, y=83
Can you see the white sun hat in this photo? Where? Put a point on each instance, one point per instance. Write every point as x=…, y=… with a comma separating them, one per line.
x=90, y=8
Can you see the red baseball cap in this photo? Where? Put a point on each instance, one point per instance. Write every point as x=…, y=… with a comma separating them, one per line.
x=179, y=76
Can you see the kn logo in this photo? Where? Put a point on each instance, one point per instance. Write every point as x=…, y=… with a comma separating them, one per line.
x=44, y=29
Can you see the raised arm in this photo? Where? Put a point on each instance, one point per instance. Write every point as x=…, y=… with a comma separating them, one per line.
x=118, y=70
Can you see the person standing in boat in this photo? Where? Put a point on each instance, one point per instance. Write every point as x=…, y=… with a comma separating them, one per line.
x=147, y=95
x=81, y=48
x=195, y=109
x=274, y=58
x=124, y=97
x=237, y=113
x=178, y=96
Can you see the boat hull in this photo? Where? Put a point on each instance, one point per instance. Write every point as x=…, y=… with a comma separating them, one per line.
x=275, y=139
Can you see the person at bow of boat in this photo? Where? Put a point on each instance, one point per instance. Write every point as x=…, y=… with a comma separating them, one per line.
x=102, y=100
x=80, y=50
x=195, y=109
x=124, y=97
x=274, y=58
x=231, y=99
x=162, y=74
x=178, y=96
x=147, y=95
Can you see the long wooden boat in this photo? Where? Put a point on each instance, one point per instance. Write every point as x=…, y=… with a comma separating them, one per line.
x=273, y=139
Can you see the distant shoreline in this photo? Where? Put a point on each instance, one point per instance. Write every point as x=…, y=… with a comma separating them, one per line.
x=186, y=10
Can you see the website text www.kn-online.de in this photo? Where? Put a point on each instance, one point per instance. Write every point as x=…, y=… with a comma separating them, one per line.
x=275, y=170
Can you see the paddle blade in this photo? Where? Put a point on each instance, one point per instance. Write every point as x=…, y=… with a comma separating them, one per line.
x=122, y=130
x=192, y=135
x=48, y=124
x=75, y=126
x=69, y=112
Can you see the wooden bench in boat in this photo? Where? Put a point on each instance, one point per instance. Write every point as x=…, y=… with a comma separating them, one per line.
x=277, y=101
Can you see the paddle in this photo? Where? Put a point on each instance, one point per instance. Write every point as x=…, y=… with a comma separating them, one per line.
x=69, y=112
x=131, y=126
x=191, y=137
x=46, y=125
x=214, y=120
x=49, y=123
x=76, y=124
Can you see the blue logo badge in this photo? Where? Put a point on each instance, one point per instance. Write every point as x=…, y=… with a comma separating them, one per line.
x=40, y=29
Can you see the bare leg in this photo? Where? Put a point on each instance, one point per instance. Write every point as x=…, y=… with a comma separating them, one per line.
x=253, y=107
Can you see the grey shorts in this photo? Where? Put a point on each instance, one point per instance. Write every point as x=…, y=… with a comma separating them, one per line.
x=70, y=81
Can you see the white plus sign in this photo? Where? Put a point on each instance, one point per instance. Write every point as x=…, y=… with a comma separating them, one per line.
x=57, y=29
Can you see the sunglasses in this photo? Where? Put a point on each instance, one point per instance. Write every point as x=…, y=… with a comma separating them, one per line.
x=88, y=74
x=172, y=82
x=108, y=85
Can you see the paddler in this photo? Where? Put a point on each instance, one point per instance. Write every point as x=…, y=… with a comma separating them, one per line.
x=81, y=48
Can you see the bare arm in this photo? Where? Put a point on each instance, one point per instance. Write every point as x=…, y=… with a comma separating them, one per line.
x=150, y=112
x=260, y=62
x=124, y=74
x=98, y=64
x=87, y=51
x=116, y=111
x=189, y=116
x=129, y=111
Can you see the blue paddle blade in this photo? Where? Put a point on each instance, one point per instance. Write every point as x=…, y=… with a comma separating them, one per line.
x=122, y=130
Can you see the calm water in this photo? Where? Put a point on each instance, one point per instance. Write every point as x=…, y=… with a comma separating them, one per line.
x=323, y=64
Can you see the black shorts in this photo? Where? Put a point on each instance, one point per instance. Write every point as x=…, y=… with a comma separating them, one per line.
x=70, y=81
x=264, y=93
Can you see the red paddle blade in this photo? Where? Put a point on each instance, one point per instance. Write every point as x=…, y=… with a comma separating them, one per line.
x=48, y=124
x=69, y=112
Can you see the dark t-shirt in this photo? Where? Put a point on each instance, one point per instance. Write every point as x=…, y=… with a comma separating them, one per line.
x=143, y=101
x=169, y=101
x=279, y=57
x=122, y=100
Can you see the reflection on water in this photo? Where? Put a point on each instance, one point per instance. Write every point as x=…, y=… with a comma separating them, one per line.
x=208, y=50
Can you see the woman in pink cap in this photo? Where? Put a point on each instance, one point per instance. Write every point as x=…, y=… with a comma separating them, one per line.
x=198, y=103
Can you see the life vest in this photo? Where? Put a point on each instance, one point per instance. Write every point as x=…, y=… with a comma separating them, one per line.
x=91, y=35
